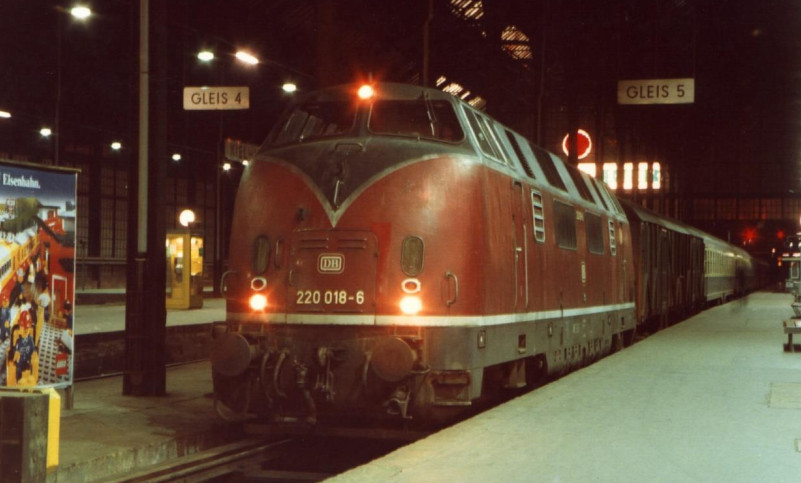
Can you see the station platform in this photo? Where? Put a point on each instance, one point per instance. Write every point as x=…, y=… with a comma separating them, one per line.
x=712, y=399
x=106, y=433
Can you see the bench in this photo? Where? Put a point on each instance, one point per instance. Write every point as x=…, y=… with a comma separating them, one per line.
x=792, y=326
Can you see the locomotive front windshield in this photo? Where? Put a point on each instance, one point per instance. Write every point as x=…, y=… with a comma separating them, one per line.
x=314, y=120
x=423, y=119
x=418, y=118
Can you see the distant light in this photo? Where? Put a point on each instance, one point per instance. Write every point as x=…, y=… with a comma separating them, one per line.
x=5, y=114
x=116, y=145
x=205, y=55
x=245, y=162
x=366, y=92
x=176, y=157
x=186, y=217
x=247, y=58
x=81, y=12
x=226, y=166
x=45, y=132
x=289, y=87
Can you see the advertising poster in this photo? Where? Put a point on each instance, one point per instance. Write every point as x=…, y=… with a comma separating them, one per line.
x=37, y=275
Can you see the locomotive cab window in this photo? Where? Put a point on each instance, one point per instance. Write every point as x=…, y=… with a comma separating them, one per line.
x=314, y=120
x=419, y=118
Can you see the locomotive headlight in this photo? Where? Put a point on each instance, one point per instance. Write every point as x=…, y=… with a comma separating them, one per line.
x=411, y=305
x=258, y=302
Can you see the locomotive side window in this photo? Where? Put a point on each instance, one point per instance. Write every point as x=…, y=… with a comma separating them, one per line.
x=519, y=153
x=546, y=163
x=425, y=119
x=261, y=254
x=580, y=184
x=539, y=216
x=315, y=120
x=484, y=136
x=565, y=217
x=595, y=237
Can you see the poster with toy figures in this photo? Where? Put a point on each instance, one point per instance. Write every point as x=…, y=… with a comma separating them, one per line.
x=37, y=273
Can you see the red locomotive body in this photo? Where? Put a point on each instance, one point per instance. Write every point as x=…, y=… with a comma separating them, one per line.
x=403, y=254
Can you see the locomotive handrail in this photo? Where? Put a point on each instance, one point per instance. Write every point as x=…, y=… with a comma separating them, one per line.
x=456, y=288
x=223, y=287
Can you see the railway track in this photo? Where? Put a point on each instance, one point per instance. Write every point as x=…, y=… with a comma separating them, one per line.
x=307, y=458
x=231, y=462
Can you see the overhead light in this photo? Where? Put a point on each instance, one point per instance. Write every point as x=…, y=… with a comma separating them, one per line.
x=289, y=87
x=186, y=218
x=205, y=55
x=226, y=166
x=116, y=145
x=247, y=58
x=245, y=162
x=81, y=12
x=45, y=132
x=176, y=157
x=5, y=114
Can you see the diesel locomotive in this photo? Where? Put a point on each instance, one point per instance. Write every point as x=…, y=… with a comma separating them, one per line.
x=397, y=254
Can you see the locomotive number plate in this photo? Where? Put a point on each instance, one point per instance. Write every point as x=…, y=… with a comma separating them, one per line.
x=329, y=297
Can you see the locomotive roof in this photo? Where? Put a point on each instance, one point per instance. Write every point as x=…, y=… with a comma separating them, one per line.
x=496, y=145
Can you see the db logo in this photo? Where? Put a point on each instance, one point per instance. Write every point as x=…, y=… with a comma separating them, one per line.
x=331, y=263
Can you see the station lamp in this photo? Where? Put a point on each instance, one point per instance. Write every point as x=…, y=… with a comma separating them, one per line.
x=247, y=57
x=186, y=218
x=81, y=12
x=205, y=55
x=46, y=132
x=5, y=115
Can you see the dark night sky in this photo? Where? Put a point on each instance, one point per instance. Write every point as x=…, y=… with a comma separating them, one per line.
x=745, y=56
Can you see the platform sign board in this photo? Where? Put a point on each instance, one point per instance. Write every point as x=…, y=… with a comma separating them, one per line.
x=656, y=91
x=37, y=275
x=216, y=98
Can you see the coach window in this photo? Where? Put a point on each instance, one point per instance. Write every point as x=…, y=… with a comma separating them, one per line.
x=565, y=217
x=595, y=237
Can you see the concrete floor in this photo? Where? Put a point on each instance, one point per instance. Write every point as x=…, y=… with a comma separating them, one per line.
x=712, y=399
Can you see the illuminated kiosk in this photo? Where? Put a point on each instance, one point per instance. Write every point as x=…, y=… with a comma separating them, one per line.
x=184, y=269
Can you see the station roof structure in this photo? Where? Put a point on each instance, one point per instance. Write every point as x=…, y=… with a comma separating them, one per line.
x=536, y=66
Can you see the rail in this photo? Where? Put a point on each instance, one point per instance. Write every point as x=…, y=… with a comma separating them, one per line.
x=231, y=459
